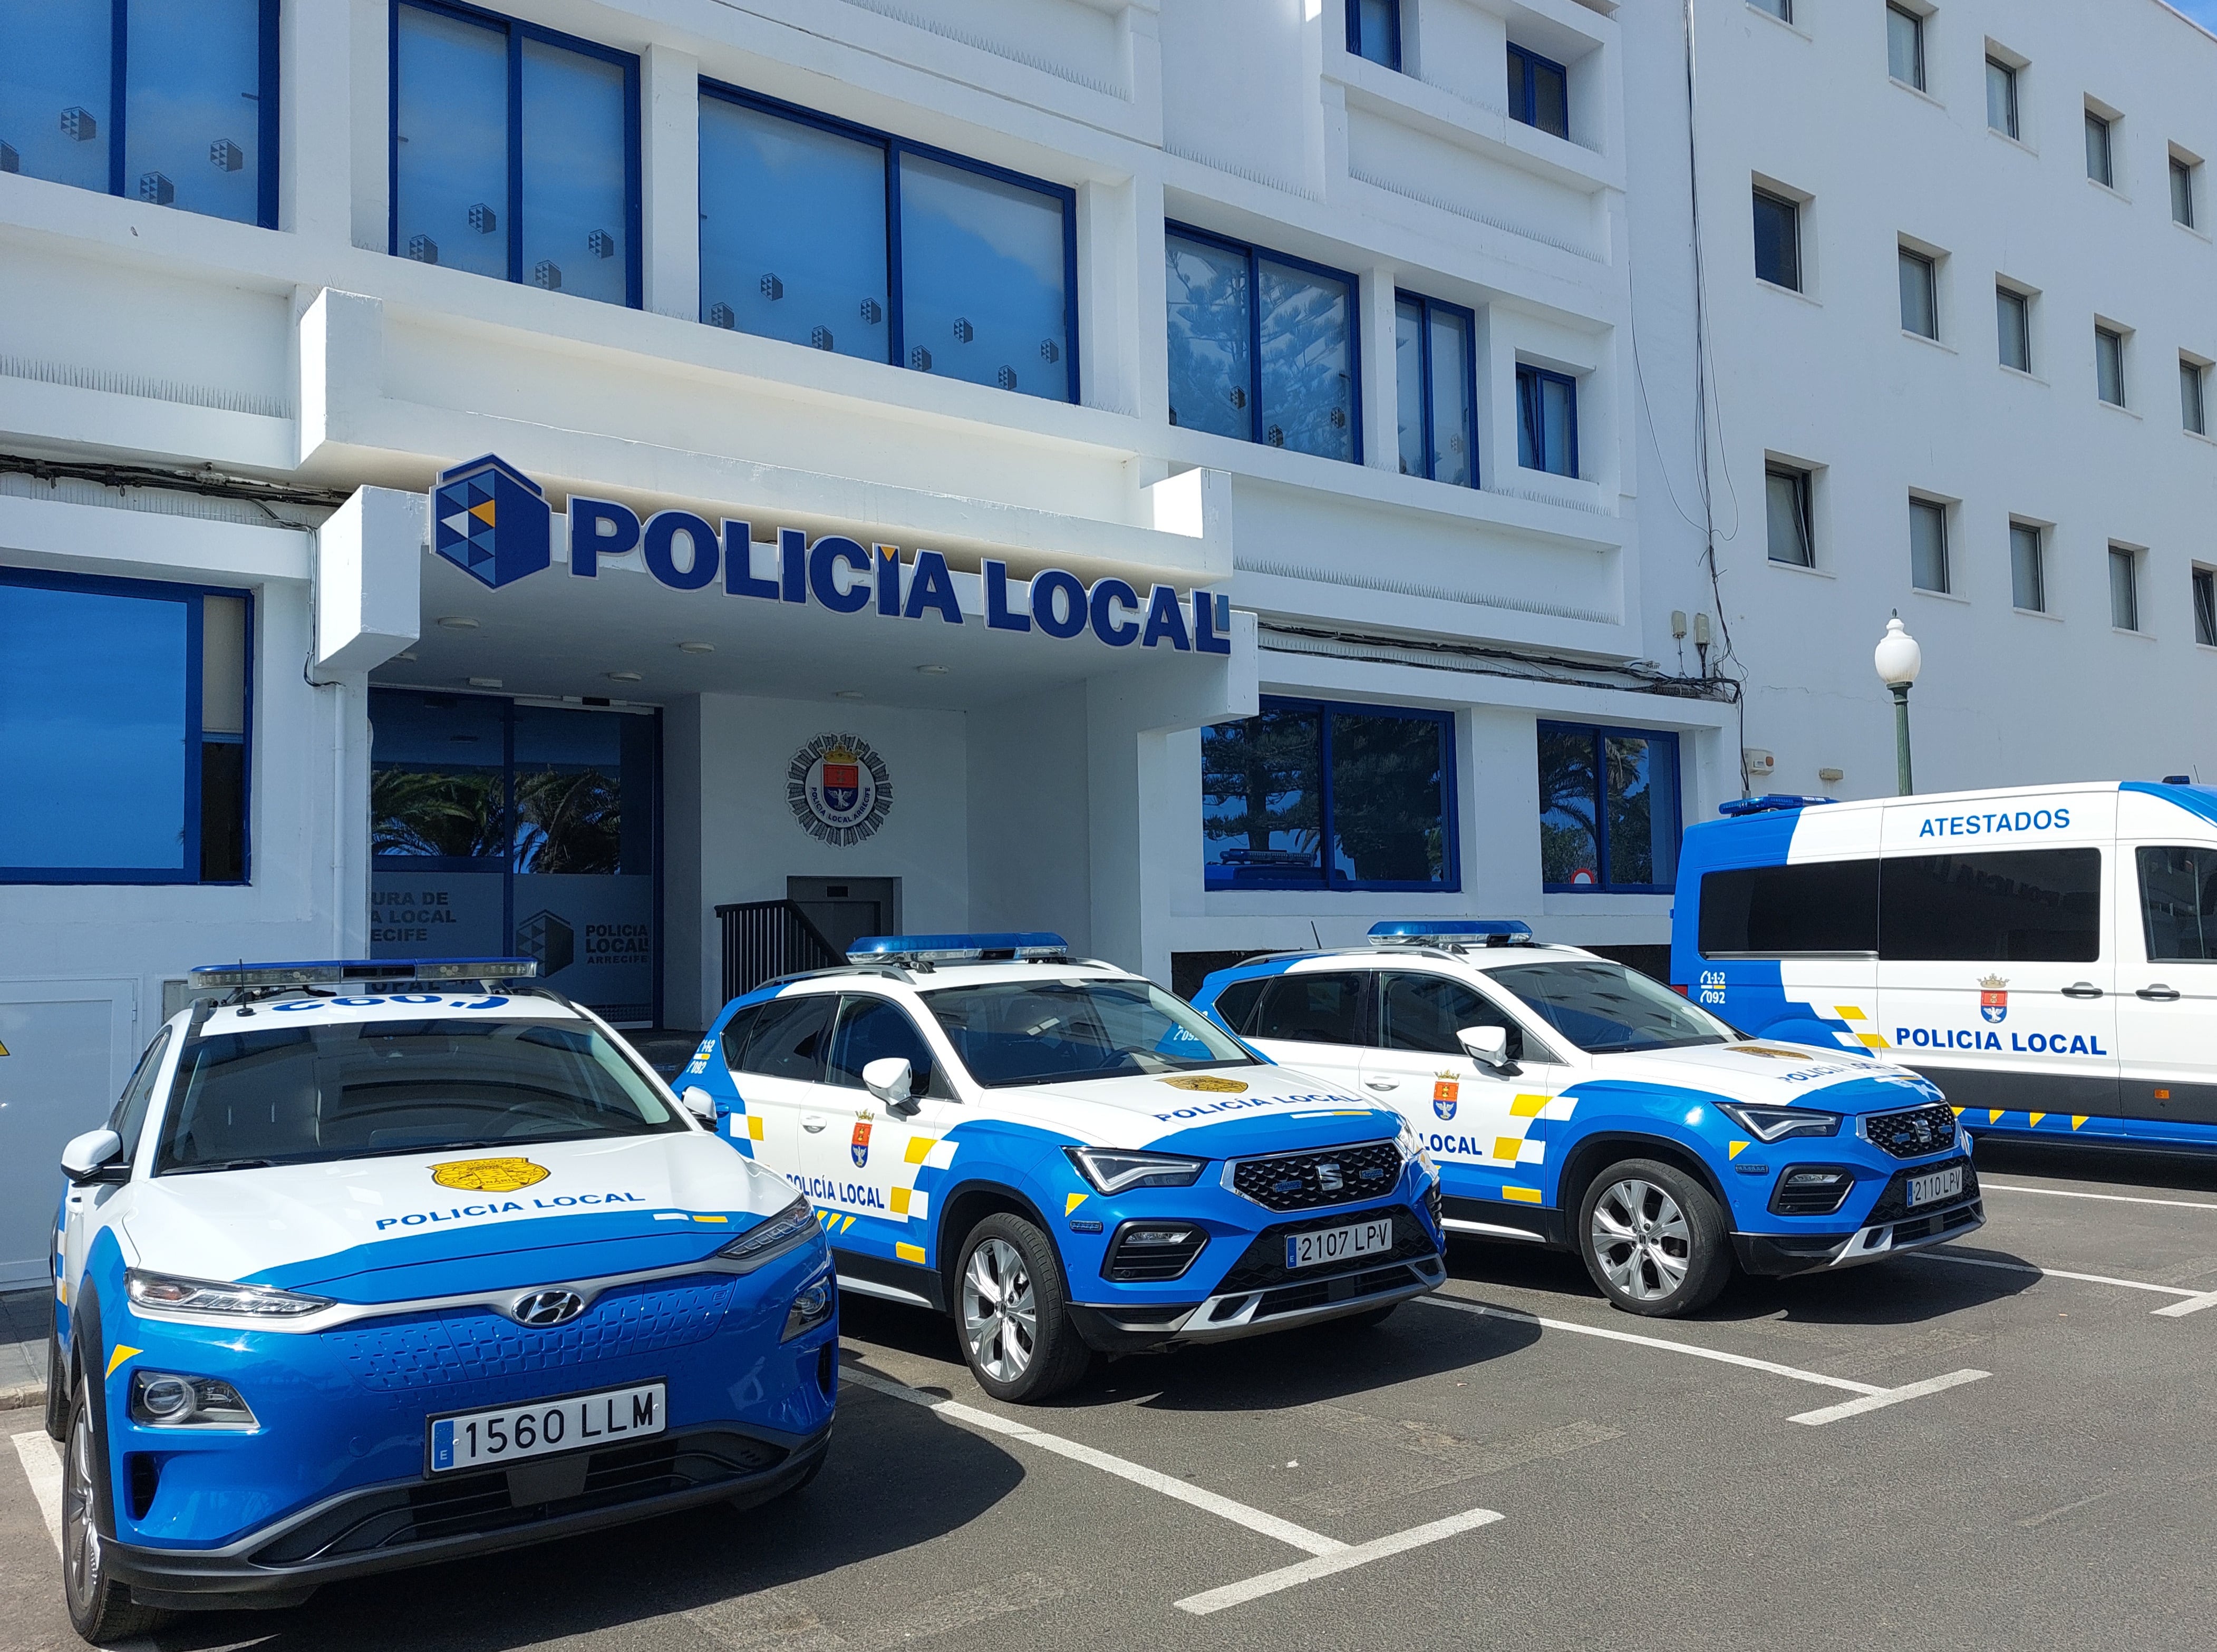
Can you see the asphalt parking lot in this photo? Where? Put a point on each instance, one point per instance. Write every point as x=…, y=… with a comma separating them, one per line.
x=2010, y=1443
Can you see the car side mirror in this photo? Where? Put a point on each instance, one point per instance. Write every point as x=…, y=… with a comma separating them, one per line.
x=1487, y=1045
x=95, y=1156
x=890, y=1078
x=700, y=1104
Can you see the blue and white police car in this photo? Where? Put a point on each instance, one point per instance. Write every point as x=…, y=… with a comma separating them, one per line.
x=378, y=1264
x=1064, y=1156
x=1571, y=1103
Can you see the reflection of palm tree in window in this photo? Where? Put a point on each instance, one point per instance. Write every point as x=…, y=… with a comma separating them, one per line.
x=1568, y=826
x=1631, y=814
x=1386, y=797
x=1260, y=781
x=568, y=820
x=430, y=812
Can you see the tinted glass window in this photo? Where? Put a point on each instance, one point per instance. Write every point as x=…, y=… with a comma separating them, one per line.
x=1042, y=1032
x=1211, y=375
x=575, y=172
x=789, y=1037
x=1425, y=1012
x=2179, y=904
x=1826, y=906
x=1388, y=787
x=982, y=273
x=1308, y=378
x=1235, y=1004
x=192, y=99
x=873, y=1029
x=1603, y=1007
x=1777, y=240
x=1313, y=1008
x=2037, y=905
x=736, y=1031
x=130, y=1114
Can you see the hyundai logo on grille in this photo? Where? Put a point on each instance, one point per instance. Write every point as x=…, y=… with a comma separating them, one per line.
x=543, y=1308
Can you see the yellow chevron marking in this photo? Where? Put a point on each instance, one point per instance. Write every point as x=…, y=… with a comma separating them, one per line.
x=1849, y=1013
x=2078, y=1118
x=909, y=1253
x=122, y=1352
x=1871, y=1041
x=2035, y=1117
x=1957, y=1112
x=3, y=1049
x=919, y=1147
x=827, y=1218
x=753, y=1127
x=1504, y=1147
x=900, y=1201
x=1994, y=1114
x=1072, y=1201
x=1733, y=1149
x=846, y=1223
x=1528, y=1106
x=1521, y=1195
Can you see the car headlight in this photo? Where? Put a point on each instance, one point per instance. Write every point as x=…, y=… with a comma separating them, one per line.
x=1412, y=1147
x=1111, y=1170
x=1776, y=1124
x=161, y=1400
x=173, y=1295
x=769, y=1238
x=812, y=1305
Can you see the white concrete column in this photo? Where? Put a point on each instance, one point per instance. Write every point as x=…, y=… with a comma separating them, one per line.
x=670, y=166
x=315, y=143
x=1380, y=426
x=1108, y=297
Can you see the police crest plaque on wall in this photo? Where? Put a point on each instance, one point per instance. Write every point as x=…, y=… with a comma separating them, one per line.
x=839, y=790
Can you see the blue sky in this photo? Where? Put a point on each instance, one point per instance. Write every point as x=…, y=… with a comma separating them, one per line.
x=2203, y=12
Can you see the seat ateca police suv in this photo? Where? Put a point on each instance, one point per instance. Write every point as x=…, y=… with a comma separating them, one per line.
x=423, y=1267
x=2048, y=955
x=1570, y=1102
x=1064, y=1156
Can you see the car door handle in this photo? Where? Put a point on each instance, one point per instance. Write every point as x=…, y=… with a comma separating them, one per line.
x=2082, y=989
x=1383, y=1083
x=2159, y=994
x=813, y=1123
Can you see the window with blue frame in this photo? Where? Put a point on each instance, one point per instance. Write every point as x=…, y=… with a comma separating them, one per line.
x=834, y=236
x=1435, y=390
x=1374, y=31
x=1539, y=91
x=125, y=713
x=1310, y=794
x=1608, y=809
x=514, y=152
x=1547, y=421
x=1262, y=347
x=170, y=102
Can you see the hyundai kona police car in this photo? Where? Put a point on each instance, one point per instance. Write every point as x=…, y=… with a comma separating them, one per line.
x=423, y=1267
x=1574, y=1103
x=1064, y=1156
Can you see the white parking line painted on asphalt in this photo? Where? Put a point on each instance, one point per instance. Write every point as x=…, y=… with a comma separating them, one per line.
x=42, y=1466
x=1301, y=1571
x=2193, y=1301
x=2113, y=1198
x=1823, y=1414
x=1329, y=1554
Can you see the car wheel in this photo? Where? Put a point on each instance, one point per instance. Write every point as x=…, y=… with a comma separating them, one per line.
x=100, y=1608
x=1012, y=1315
x=1654, y=1239
x=58, y=1394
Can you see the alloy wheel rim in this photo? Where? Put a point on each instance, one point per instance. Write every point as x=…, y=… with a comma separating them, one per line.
x=80, y=1539
x=1641, y=1240
x=1000, y=1317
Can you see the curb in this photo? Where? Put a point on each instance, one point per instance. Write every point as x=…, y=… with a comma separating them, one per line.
x=14, y=1396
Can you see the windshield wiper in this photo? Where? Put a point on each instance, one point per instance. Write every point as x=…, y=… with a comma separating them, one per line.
x=227, y=1164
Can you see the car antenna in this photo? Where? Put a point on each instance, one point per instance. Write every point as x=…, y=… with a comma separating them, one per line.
x=1314, y=936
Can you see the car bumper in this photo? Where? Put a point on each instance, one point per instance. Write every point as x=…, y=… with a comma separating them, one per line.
x=1779, y=1254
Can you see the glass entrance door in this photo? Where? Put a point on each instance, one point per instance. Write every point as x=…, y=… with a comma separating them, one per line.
x=500, y=829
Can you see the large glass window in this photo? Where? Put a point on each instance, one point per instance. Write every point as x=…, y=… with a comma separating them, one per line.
x=850, y=240
x=1308, y=796
x=1547, y=421
x=1262, y=347
x=1810, y=909
x=1436, y=391
x=124, y=715
x=2178, y=904
x=499, y=828
x=1539, y=91
x=170, y=102
x=514, y=152
x=2038, y=904
x=1374, y=31
x=1608, y=809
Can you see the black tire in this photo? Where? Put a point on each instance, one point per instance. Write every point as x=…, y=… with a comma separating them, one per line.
x=58, y=1393
x=1668, y=1256
x=1011, y=1313
x=101, y=1609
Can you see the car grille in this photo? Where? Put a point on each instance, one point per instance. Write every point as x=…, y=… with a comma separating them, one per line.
x=1893, y=1203
x=1912, y=1134
x=1262, y=1265
x=1304, y=1181
x=459, y=1347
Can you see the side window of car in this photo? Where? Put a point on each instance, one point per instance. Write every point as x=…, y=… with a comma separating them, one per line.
x=790, y=1037
x=1235, y=1005
x=1320, y=1007
x=735, y=1035
x=129, y=1116
x=872, y=1029
x=1425, y=1012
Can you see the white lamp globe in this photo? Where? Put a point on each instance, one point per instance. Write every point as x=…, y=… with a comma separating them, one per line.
x=1897, y=656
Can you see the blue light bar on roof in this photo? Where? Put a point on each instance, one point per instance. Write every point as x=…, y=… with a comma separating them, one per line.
x=1015, y=943
x=1768, y=801
x=1453, y=932
x=332, y=972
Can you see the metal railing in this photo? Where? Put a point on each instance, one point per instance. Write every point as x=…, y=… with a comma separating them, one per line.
x=763, y=939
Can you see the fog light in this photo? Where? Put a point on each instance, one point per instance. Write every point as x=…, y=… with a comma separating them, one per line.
x=162, y=1399
x=1811, y=1189
x=1138, y=1238
x=811, y=1306
x=165, y=1399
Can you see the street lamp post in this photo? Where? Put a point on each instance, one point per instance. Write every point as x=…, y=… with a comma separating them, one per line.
x=1898, y=660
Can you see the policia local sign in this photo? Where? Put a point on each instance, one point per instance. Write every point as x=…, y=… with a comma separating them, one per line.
x=494, y=522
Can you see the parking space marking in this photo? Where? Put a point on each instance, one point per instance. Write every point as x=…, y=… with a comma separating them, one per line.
x=1870, y=1396
x=2111, y=1198
x=2192, y=1302
x=1327, y=1555
x=42, y=1466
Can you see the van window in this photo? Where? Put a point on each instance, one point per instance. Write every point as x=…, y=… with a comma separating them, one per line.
x=2023, y=905
x=1324, y=1007
x=1425, y=1012
x=1821, y=906
x=2179, y=904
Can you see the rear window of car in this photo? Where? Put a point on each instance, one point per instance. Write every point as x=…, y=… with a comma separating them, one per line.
x=1312, y=1006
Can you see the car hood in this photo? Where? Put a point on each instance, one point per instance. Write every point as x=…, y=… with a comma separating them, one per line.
x=402, y=1227
x=1774, y=1074
x=1218, y=1113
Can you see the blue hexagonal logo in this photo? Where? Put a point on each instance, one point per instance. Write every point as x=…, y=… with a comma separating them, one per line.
x=491, y=520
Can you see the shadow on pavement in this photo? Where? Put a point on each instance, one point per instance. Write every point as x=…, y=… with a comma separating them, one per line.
x=2080, y=1160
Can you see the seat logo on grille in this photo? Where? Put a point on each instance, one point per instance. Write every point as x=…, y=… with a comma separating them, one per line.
x=1328, y=1177
x=544, y=1308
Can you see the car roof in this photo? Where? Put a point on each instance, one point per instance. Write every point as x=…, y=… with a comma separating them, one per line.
x=864, y=976
x=1482, y=959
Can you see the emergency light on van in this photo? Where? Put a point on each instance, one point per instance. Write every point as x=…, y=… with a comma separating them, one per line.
x=1455, y=932
x=1018, y=946
x=1771, y=800
x=327, y=972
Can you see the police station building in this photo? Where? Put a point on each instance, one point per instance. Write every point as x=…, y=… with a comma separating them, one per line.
x=668, y=489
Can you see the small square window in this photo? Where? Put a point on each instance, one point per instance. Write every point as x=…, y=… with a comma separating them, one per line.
x=1547, y=421
x=2109, y=364
x=2013, y=326
x=1777, y=240
x=1374, y=31
x=2181, y=191
x=2027, y=568
x=1786, y=499
x=2205, y=606
x=2124, y=588
x=2193, y=381
x=2001, y=98
x=1781, y=10
x=1904, y=47
x=2100, y=150
x=1920, y=303
x=1927, y=545
x=1539, y=91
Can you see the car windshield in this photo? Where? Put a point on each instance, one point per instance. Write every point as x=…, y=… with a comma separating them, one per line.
x=1040, y=1031
x=1605, y=1008
x=356, y=1090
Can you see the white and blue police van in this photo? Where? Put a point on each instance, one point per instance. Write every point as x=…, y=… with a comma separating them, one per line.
x=2047, y=955
x=377, y=1264
x=1064, y=1157
x=1573, y=1103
